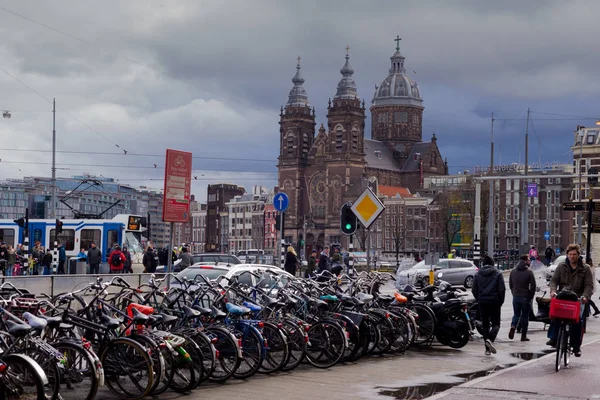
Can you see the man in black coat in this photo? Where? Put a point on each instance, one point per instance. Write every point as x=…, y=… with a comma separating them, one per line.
x=324, y=260
x=489, y=291
x=94, y=258
x=522, y=285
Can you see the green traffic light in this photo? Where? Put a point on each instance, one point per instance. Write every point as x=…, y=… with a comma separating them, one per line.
x=348, y=226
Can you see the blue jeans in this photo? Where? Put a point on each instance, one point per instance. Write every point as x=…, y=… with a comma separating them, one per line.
x=521, y=308
x=46, y=270
x=9, y=270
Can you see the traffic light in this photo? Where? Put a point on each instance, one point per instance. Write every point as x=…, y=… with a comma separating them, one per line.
x=20, y=222
x=300, y=240
x=59, y=226
x=348, y=220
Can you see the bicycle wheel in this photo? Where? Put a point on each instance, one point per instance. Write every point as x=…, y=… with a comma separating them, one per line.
x=426, y=323
x=560, y=348
x=277, y=349
x=327, y=344
x=403, y=335
x=567, y=340
x=162, y=361
x=296, y=342
x=229, y=353
x=184, y=377
x=387, y=334
x=128, y=369
x=209, y=352
x=79, y=378
x=252, y=352
x=49, y=365
x=23, y=379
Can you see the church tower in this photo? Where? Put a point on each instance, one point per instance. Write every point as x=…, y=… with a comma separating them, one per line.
x=296, y=135
x=397, y=107
x=346, y=118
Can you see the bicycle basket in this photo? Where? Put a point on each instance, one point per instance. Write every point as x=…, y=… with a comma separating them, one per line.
x=20, y=305
x=564, y=310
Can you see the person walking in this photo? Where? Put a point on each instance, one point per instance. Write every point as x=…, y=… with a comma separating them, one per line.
x=62, y=258
x=574, y=275
x=291, y=261
x=592, y=304
x=94, y=258
x=11, y=260
x=116, y=260
x=489, y=291
x=127, y=269
x=312, y=264
x=150, y=260
x=186, y=260
x=549, y=253
x=522, y=285
x=533, y=254
x=47, y=260
x=324, y=260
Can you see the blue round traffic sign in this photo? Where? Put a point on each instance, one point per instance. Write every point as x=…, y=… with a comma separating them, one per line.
x=281, y=201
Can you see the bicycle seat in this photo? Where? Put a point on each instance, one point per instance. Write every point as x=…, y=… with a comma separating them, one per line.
x=270, y=301
x=111, y=323
x=202, y=310
x=52, y=321
x=386, y=297
x=237, y=310
x=543, y=299
x=154, y=319
x=320, y=304
x=409, y=295
x=400, y=298
x=252, y=306
x=139, y=317
x=216, y=313
x=190, y=313
x=364, y=297
x=16, y=329
x=36, y=323
x=329, y=297
x=168, y=319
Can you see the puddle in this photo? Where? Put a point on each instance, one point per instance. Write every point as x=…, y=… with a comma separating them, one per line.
x=425, y=390
x=531, y=356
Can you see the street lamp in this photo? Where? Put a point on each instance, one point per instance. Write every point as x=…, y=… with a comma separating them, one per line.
x=6, y=114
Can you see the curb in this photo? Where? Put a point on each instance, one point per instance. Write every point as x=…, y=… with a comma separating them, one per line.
x=477, y=381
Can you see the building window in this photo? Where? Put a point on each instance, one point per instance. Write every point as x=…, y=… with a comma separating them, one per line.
x=339, y=137
x=354, y=139
x=305, y=144
x=401, y=117
x=290, y=144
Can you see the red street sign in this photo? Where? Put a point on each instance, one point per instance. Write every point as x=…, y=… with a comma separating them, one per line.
x=178, y=182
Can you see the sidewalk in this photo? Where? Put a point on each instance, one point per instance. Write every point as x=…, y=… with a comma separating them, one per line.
x=537, y=379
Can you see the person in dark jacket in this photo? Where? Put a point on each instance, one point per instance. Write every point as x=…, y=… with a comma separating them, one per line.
x=127, y=264
x=62, y=258
x=324, y=260
x=291, y=261
x=94, y=258
x=186, y=260
x=549, y=253
x=312, y=264
x=489, y=291
x=150, y=260
x=522, y=285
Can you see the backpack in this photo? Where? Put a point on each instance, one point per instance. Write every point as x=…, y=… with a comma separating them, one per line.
x=115, y=259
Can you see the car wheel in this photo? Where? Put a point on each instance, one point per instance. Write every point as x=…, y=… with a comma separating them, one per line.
x=469, y=282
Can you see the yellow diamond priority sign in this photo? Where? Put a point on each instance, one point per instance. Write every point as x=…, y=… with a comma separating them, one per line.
x=367, y=208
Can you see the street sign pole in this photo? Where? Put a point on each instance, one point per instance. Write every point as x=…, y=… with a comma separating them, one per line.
x=170, y=255
x=283, y=250
x=588, y=244
x=281, y=201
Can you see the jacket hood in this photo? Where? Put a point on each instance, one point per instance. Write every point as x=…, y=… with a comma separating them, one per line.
x=488, y=270
x=521, y=265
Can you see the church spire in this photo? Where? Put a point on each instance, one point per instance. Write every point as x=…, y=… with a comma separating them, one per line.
x=298, y=95
x=397, y=59
x=346, y=89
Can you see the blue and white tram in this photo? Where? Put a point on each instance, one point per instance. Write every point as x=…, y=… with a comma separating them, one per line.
x=123, y=229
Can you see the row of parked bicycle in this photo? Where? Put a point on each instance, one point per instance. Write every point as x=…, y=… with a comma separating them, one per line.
x=143, y=341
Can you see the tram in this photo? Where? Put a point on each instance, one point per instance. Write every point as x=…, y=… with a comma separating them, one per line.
x=123, y=229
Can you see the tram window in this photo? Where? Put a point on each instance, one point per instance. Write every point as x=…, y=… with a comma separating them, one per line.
x=67, y=237
x=37, y=235
x=90, y=235
x=113, y=237
x=7, y=236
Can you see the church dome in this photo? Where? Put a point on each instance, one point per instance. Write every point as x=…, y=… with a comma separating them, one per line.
x=397, y=88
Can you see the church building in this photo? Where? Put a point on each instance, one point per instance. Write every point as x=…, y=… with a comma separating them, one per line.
x=322, y=169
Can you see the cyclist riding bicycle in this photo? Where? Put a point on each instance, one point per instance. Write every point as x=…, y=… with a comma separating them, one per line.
x=574, y=275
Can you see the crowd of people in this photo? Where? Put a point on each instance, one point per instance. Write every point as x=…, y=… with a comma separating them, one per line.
x=489, y=289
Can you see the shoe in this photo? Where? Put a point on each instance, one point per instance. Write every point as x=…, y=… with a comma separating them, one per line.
x=577, y=352
x=487, y=352
x=596, y=313
x=524, y=339
x=551, y=343
x=511, y=333
x=490, y=346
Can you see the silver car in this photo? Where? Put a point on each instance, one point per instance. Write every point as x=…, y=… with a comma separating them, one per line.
x=550, y=270
x=456, y=271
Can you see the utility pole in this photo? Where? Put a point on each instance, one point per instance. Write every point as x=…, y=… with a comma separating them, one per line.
x=525, y=200
x=490, y=235
x=53, y=197
x=579, y=197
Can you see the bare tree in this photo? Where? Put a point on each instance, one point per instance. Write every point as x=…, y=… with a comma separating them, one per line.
x=449, y=202
x=468, y=209
x=398, y=235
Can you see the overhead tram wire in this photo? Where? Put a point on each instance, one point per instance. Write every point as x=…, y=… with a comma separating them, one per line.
x=60, y=108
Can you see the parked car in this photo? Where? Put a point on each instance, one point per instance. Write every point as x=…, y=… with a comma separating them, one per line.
x=550, y=270
x=456, y=271
x=206, y=258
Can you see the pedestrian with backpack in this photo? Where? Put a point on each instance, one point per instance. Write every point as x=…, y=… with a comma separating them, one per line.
x=116, y=260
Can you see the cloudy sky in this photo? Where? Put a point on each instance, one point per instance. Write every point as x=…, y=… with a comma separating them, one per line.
x=209, y=76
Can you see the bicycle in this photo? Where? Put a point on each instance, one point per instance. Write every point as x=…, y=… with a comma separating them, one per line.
x=565, y=310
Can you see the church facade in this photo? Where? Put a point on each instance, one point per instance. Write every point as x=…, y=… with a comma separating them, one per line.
x=321, y=169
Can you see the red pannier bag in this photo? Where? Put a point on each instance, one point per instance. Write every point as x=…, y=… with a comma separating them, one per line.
x=565, y=310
